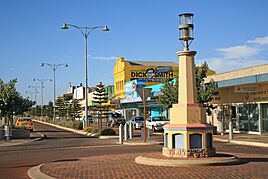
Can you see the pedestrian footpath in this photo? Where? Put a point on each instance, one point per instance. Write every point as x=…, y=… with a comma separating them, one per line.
x=124, y=166
x=244, y=139
x=34, y=136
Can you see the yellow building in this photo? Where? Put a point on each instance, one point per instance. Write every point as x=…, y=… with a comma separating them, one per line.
x=151, y=71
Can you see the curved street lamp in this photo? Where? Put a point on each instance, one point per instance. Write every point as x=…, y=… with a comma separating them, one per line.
x=35, y=92
x=54, y=67
x=85, y=32
x=42, y=81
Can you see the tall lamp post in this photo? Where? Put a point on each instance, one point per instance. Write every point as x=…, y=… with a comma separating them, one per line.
x=35, y=92
x=54, y=67
x=42, y=81
x=85, y=32
x=31, y=94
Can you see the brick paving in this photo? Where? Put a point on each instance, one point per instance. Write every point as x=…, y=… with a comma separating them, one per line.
x=124, y=166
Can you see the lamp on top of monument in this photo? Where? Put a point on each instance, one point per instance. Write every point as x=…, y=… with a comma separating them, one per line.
x=186, y=27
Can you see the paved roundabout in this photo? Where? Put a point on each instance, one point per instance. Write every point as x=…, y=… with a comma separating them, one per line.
x=157, y=159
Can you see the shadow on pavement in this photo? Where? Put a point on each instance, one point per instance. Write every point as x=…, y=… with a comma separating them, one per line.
x=49, y=131
x=67, y=160
x=69, y=137
x=247, y=160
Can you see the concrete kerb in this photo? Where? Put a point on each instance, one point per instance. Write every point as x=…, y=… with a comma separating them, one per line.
x=141, y=143
x=64, y=128
x=184, y=162
x=257, y=144
x=35, y=173
x=109, y=137
x=5, y=144
x=78, y=131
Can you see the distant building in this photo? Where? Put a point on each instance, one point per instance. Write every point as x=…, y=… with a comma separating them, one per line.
x=153, y=72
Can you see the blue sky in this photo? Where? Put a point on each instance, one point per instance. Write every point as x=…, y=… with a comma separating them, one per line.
x=230, y=34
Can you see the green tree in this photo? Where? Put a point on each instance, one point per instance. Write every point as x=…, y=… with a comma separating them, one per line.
x=67, y=107
x=75, y=108
x=11, y=102
x=204, y=91
x=36, y=111
x=100, y=110
x=169, y=93
x=60, y=105
x=48, y=110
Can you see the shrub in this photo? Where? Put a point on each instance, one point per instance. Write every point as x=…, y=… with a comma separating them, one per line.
x=95, y=131
x=88, y=129
x=108, y=131
x=20, y=127
x=78, y=125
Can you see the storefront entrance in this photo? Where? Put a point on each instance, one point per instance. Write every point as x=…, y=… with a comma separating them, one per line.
x=244, y=117
x=264, y=108
x=229, y=112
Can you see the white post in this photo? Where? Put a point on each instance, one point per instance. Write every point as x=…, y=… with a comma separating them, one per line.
x=130, y=130
x=230, y=130
x=121, y=139
x=125, y=132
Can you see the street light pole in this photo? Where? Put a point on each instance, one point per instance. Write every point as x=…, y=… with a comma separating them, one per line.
x=54, y=67
x=85, y=32
x=42, y=87
x=35, y=92
x=31, y=94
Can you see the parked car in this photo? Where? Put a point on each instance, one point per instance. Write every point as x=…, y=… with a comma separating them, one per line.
x=119, y=121
x=137, y=121
x=156, y=123
x=25, y=121
x=115, y=119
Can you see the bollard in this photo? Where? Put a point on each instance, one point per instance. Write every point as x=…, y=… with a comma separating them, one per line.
x=8, y=132
x=130, y=130
x=220, y=127
x=230, y=130
x=147, y=133
x=121, y=139
x=125, y=132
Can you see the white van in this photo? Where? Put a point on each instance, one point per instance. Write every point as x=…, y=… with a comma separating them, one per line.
x=156, y=123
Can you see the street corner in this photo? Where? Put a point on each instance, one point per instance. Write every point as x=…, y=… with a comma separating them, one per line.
x=35, y=173
x=14, y=142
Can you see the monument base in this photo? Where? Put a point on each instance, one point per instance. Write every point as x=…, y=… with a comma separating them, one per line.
x=190, y=153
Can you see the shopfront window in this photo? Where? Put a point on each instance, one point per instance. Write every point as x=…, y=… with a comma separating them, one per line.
x=228, y=113
x=248, y=117
x=264, y=121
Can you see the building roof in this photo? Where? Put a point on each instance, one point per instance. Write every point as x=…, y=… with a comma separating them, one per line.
x=152, y=63
x=245, y=72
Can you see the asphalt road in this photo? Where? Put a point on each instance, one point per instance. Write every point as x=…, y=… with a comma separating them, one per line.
x=62, y=145
x=59, y=145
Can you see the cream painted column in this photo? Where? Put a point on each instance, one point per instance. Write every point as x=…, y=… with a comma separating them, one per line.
x=204, y=140
x=187, y=87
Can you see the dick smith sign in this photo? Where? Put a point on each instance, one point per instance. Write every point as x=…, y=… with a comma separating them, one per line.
x=153, y=75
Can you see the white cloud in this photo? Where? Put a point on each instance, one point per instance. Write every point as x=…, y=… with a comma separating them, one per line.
x=259, y=41
x=238, y=51
x=224, y=64
x=240, y=56
x=105, y=58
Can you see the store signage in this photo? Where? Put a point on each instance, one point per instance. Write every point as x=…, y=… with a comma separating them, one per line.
x=153, y=75
x=246, y=89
